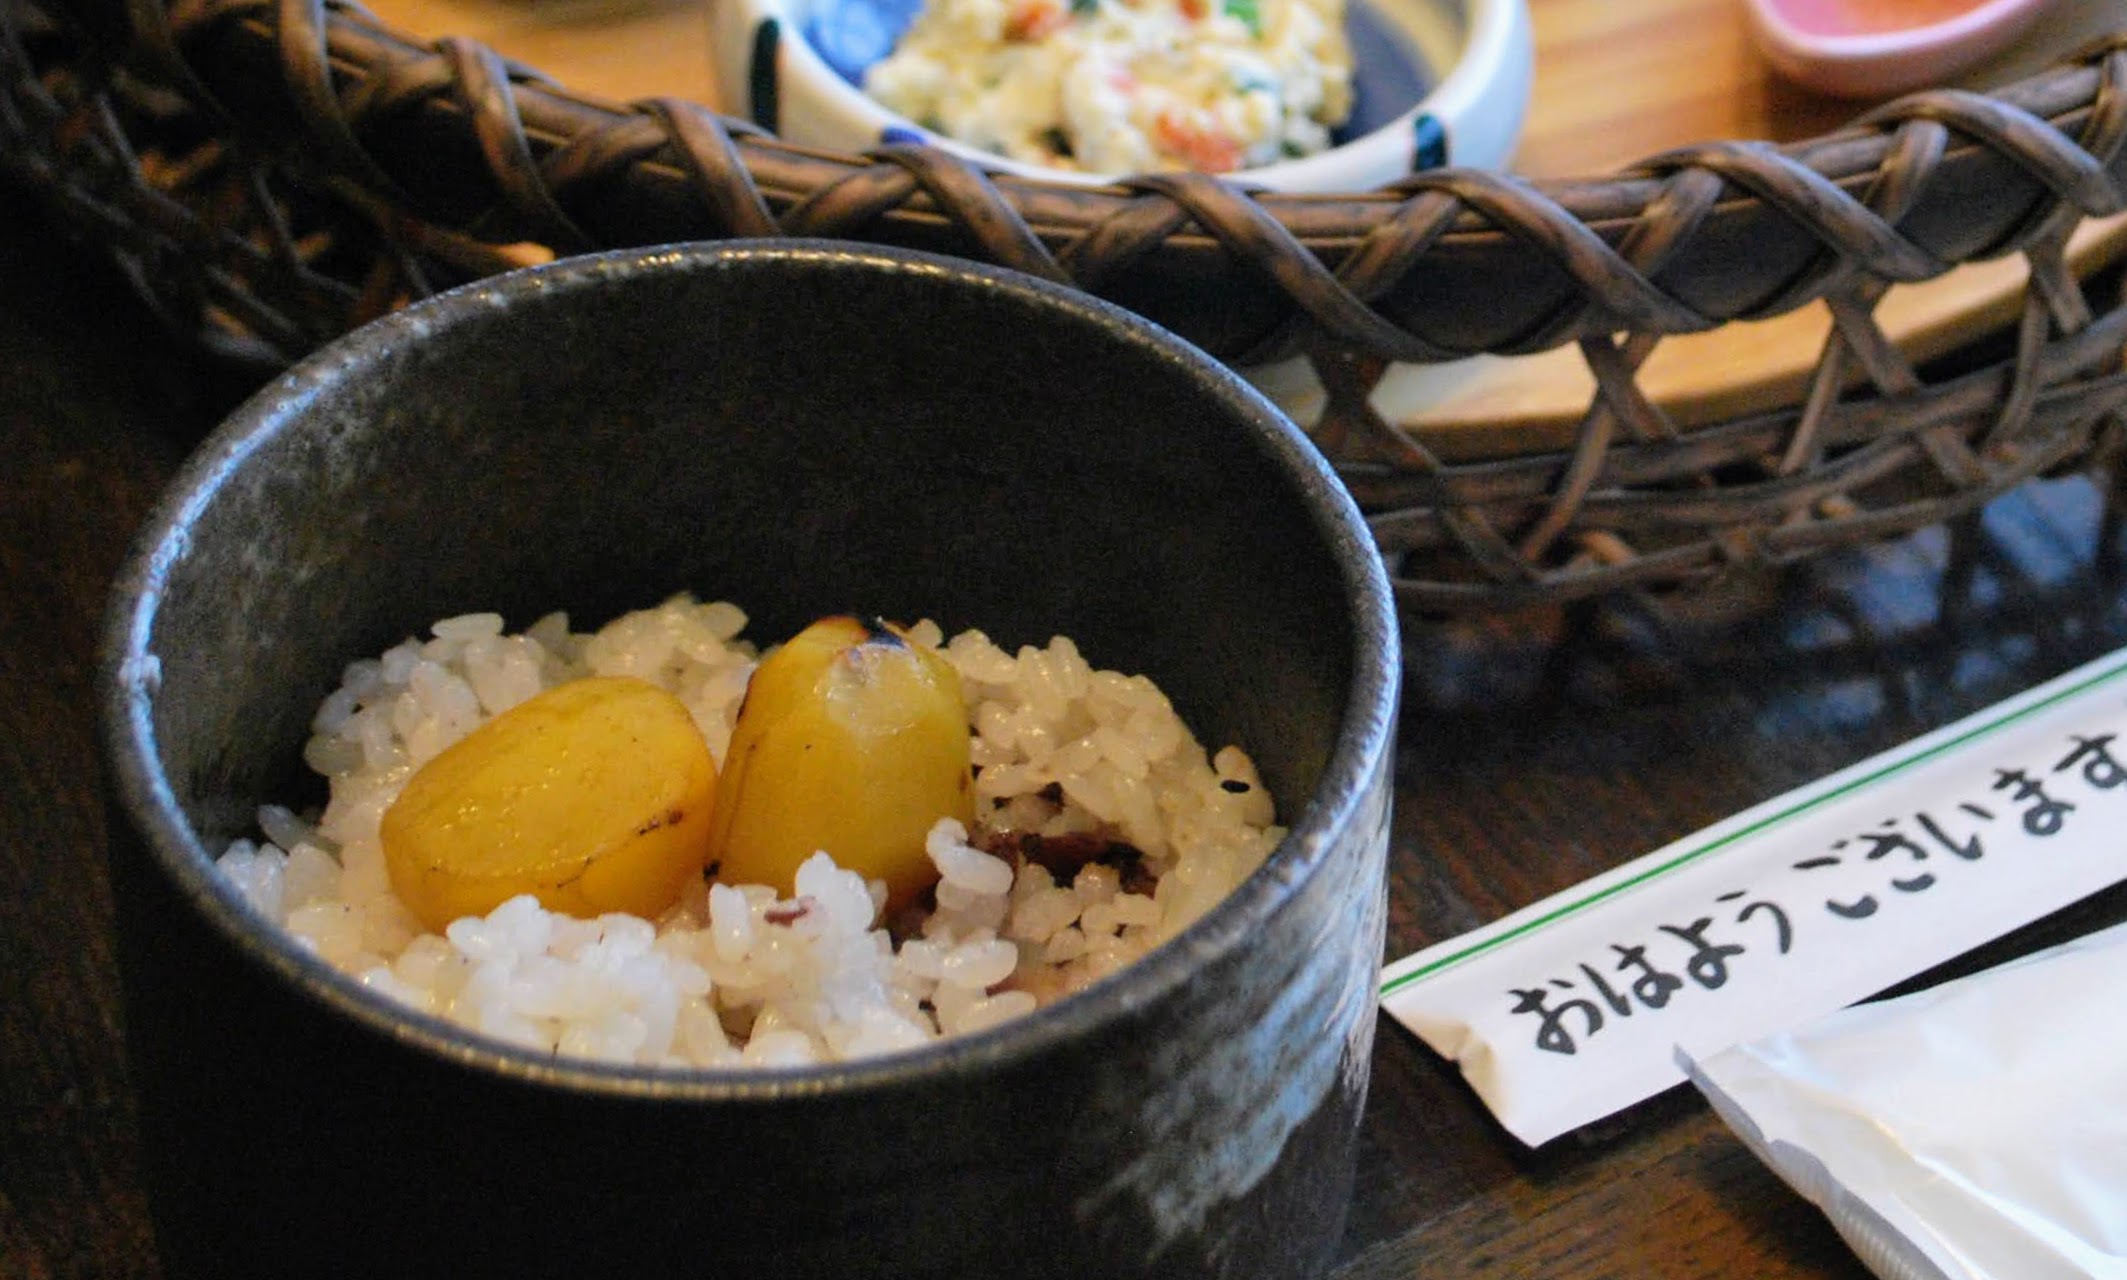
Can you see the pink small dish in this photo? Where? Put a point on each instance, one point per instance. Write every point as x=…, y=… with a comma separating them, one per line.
x=1876, y=48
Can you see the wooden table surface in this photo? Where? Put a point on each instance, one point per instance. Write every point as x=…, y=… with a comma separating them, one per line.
x=1535, y=752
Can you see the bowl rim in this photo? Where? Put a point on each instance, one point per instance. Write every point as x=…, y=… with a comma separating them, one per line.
x=1881, y=64
x=1940, y=33
x=129, y=680
x=1493, y=60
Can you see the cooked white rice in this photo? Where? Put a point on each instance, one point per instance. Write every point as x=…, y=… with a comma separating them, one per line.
x=732, y=975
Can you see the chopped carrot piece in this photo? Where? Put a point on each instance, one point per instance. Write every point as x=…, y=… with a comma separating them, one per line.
x=1033, y=19
x=1203, y=149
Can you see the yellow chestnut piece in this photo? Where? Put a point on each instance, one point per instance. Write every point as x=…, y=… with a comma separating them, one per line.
x=595, y=796
x=853, y=740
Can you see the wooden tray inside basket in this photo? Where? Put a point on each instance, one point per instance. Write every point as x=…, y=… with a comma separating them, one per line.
x=1615, y=82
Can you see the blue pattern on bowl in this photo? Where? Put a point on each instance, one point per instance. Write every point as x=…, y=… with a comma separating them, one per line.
x=1430, y=142
x=850, y=35
x=761, y=75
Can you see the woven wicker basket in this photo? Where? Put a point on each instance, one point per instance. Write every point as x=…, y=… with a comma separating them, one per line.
x=273, y=174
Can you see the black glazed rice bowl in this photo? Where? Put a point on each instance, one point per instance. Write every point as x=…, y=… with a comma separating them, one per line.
x=804, y=428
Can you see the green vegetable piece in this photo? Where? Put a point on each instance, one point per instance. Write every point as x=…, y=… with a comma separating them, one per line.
x=1250, y=14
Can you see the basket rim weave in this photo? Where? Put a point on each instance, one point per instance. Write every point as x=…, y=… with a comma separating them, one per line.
x=1444, y=264
x=275, y=172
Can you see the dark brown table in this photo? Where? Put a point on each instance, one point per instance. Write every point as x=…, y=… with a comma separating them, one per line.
x=1536, y=751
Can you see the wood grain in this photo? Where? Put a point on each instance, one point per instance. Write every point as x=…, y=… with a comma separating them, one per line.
x=615, y=49
x=95, y=409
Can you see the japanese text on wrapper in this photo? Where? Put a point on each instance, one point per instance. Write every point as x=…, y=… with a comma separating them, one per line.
x=1862, y=877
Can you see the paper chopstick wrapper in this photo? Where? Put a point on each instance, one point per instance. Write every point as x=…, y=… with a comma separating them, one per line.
x=1575, y=1008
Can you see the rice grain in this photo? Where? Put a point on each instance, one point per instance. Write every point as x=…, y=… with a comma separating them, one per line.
x=734, y=974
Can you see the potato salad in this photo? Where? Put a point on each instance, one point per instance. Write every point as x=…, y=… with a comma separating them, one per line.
x=1125, y=86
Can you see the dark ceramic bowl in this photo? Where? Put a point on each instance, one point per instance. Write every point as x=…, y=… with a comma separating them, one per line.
x=803, y=428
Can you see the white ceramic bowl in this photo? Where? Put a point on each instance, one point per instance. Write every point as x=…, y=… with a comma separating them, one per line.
x=1438, y=82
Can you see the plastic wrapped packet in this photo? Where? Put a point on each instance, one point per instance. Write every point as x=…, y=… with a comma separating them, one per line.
x=1974, y=1131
